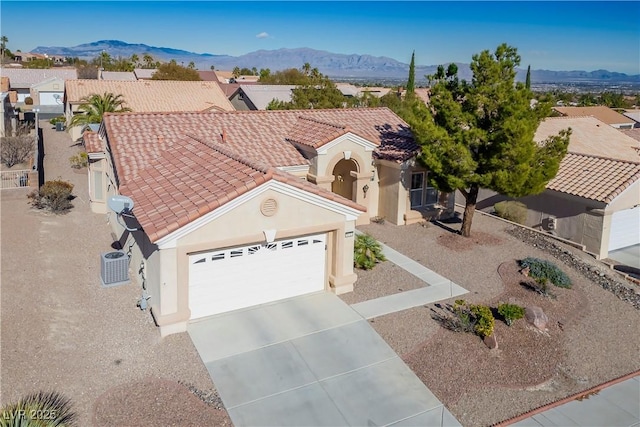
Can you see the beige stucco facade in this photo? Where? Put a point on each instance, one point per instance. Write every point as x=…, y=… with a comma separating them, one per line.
x=581, y=220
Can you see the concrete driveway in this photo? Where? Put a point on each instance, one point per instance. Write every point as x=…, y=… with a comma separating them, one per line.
x=311, y=361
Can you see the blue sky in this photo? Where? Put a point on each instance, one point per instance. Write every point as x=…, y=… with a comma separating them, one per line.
x=585, y=35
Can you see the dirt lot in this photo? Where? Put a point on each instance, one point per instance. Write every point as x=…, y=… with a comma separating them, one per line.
x=62, y=332
x=592, y=335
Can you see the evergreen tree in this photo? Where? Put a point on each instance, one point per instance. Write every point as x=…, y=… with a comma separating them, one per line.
x=411, y=83
x=527, y=83
x=479, y=134
x=173, y=71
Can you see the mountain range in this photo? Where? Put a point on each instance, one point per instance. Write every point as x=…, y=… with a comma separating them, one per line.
x=331, y=64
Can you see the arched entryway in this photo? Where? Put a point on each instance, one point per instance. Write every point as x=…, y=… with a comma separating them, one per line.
x=343, y=180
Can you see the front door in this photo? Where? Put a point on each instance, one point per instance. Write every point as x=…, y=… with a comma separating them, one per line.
x=343, y=182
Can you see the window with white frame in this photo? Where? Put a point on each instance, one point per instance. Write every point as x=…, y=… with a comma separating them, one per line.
x=420, y=193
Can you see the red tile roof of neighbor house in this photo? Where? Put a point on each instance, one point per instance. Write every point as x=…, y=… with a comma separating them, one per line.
x=183, y=186
x=594, y=177
x=601, y=163
x=175, y=179
x=154, y=95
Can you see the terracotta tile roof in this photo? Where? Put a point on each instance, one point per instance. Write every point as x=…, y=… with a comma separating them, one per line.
x=208, y=76
x=602, y=113
x=314, y=133
x=258, y=134
x=594, y=177
x=591, y=136
x=633, y=133
x=92, y=142
x=154, y=95
x=182, y=185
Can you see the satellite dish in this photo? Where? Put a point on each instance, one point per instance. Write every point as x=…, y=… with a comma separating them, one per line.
x=120, y=204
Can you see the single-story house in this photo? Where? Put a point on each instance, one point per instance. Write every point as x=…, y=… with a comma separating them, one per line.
x=594, y=200
x=233, y=209
x=633, y=115
x=147, y=95
x=117, y=75
x=144, y=73
x=48, y=82
x=600, y=112
x=258, y=97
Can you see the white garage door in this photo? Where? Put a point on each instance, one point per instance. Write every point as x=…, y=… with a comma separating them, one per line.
x=51, y=98
x=625, y=228
x=233, y=278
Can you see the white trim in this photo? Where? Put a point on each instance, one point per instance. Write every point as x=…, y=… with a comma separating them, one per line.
x=170, y=240
x=96, y=156
x=351, y=137
x=294, y=169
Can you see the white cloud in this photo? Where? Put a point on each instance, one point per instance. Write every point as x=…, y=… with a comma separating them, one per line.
x=262, y=35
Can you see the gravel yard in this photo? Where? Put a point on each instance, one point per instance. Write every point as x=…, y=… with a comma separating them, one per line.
x=530, y=368
x=62, y=332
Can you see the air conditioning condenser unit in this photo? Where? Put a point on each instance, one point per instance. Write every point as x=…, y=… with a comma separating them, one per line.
x=114, y=268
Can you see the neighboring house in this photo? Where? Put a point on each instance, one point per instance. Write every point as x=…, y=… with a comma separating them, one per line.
x=49, y=92
x=241, y=208
x=602, y=113
x=144, y=73
x=348, y=90
x=633, y=115
x=118, y=75
x=258, y=97
x=594, y=200
x=147, y=95
x=22, y=80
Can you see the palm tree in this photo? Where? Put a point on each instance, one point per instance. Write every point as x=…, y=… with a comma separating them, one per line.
x=367, y=252
x=94, y=106
x=135, y=59
x=192, y=65
x=148, y=60
x=236, y=72
x=3, y=45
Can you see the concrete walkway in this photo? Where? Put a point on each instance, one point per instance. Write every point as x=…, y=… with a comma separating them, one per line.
x=614, y=406
x=311, y=361
x=436, y=288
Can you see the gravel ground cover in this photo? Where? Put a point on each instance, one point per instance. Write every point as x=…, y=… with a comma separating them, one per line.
x=60, y=331
x=588, y=323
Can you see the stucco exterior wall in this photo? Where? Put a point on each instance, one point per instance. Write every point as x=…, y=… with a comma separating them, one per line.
x=390, y=194
x=245, y=225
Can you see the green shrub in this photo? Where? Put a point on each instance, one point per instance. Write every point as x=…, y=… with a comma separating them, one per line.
x=472, y=318
x=510, y=312
x=53, y=195
x=80, y=160
x=59, y=119
x=542, y=270
x=512, y=211
x=367, y=252
x=39, y=409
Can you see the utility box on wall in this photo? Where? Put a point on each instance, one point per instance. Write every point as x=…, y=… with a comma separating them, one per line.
x=114, y=268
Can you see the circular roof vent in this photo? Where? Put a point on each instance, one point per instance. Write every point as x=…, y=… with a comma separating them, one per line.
x=269, y=207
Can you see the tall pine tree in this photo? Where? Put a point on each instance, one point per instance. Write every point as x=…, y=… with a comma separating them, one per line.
x=479, y=134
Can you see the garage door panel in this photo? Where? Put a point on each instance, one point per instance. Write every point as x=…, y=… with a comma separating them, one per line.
x=625, y=229
x=221, y=281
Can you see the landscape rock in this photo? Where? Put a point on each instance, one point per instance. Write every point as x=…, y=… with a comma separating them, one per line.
x=536, y=317
x=525, y=271
x=491, y=341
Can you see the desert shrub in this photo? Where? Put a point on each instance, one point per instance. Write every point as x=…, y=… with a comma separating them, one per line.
x=542, y=270
x=512, y=211
x=59, y=119
x=367, y=252
x=510, y=312
x=53, y=195
x=80, y=160
x=16, y=149
x=377, y=219
x=39, y=409
x=28, y=100
x=467, y=317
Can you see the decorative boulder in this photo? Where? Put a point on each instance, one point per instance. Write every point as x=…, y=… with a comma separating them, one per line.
x=536, y=317
x=491, y=341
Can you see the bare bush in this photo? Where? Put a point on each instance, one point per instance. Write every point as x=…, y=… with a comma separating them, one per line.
x=16, y=149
